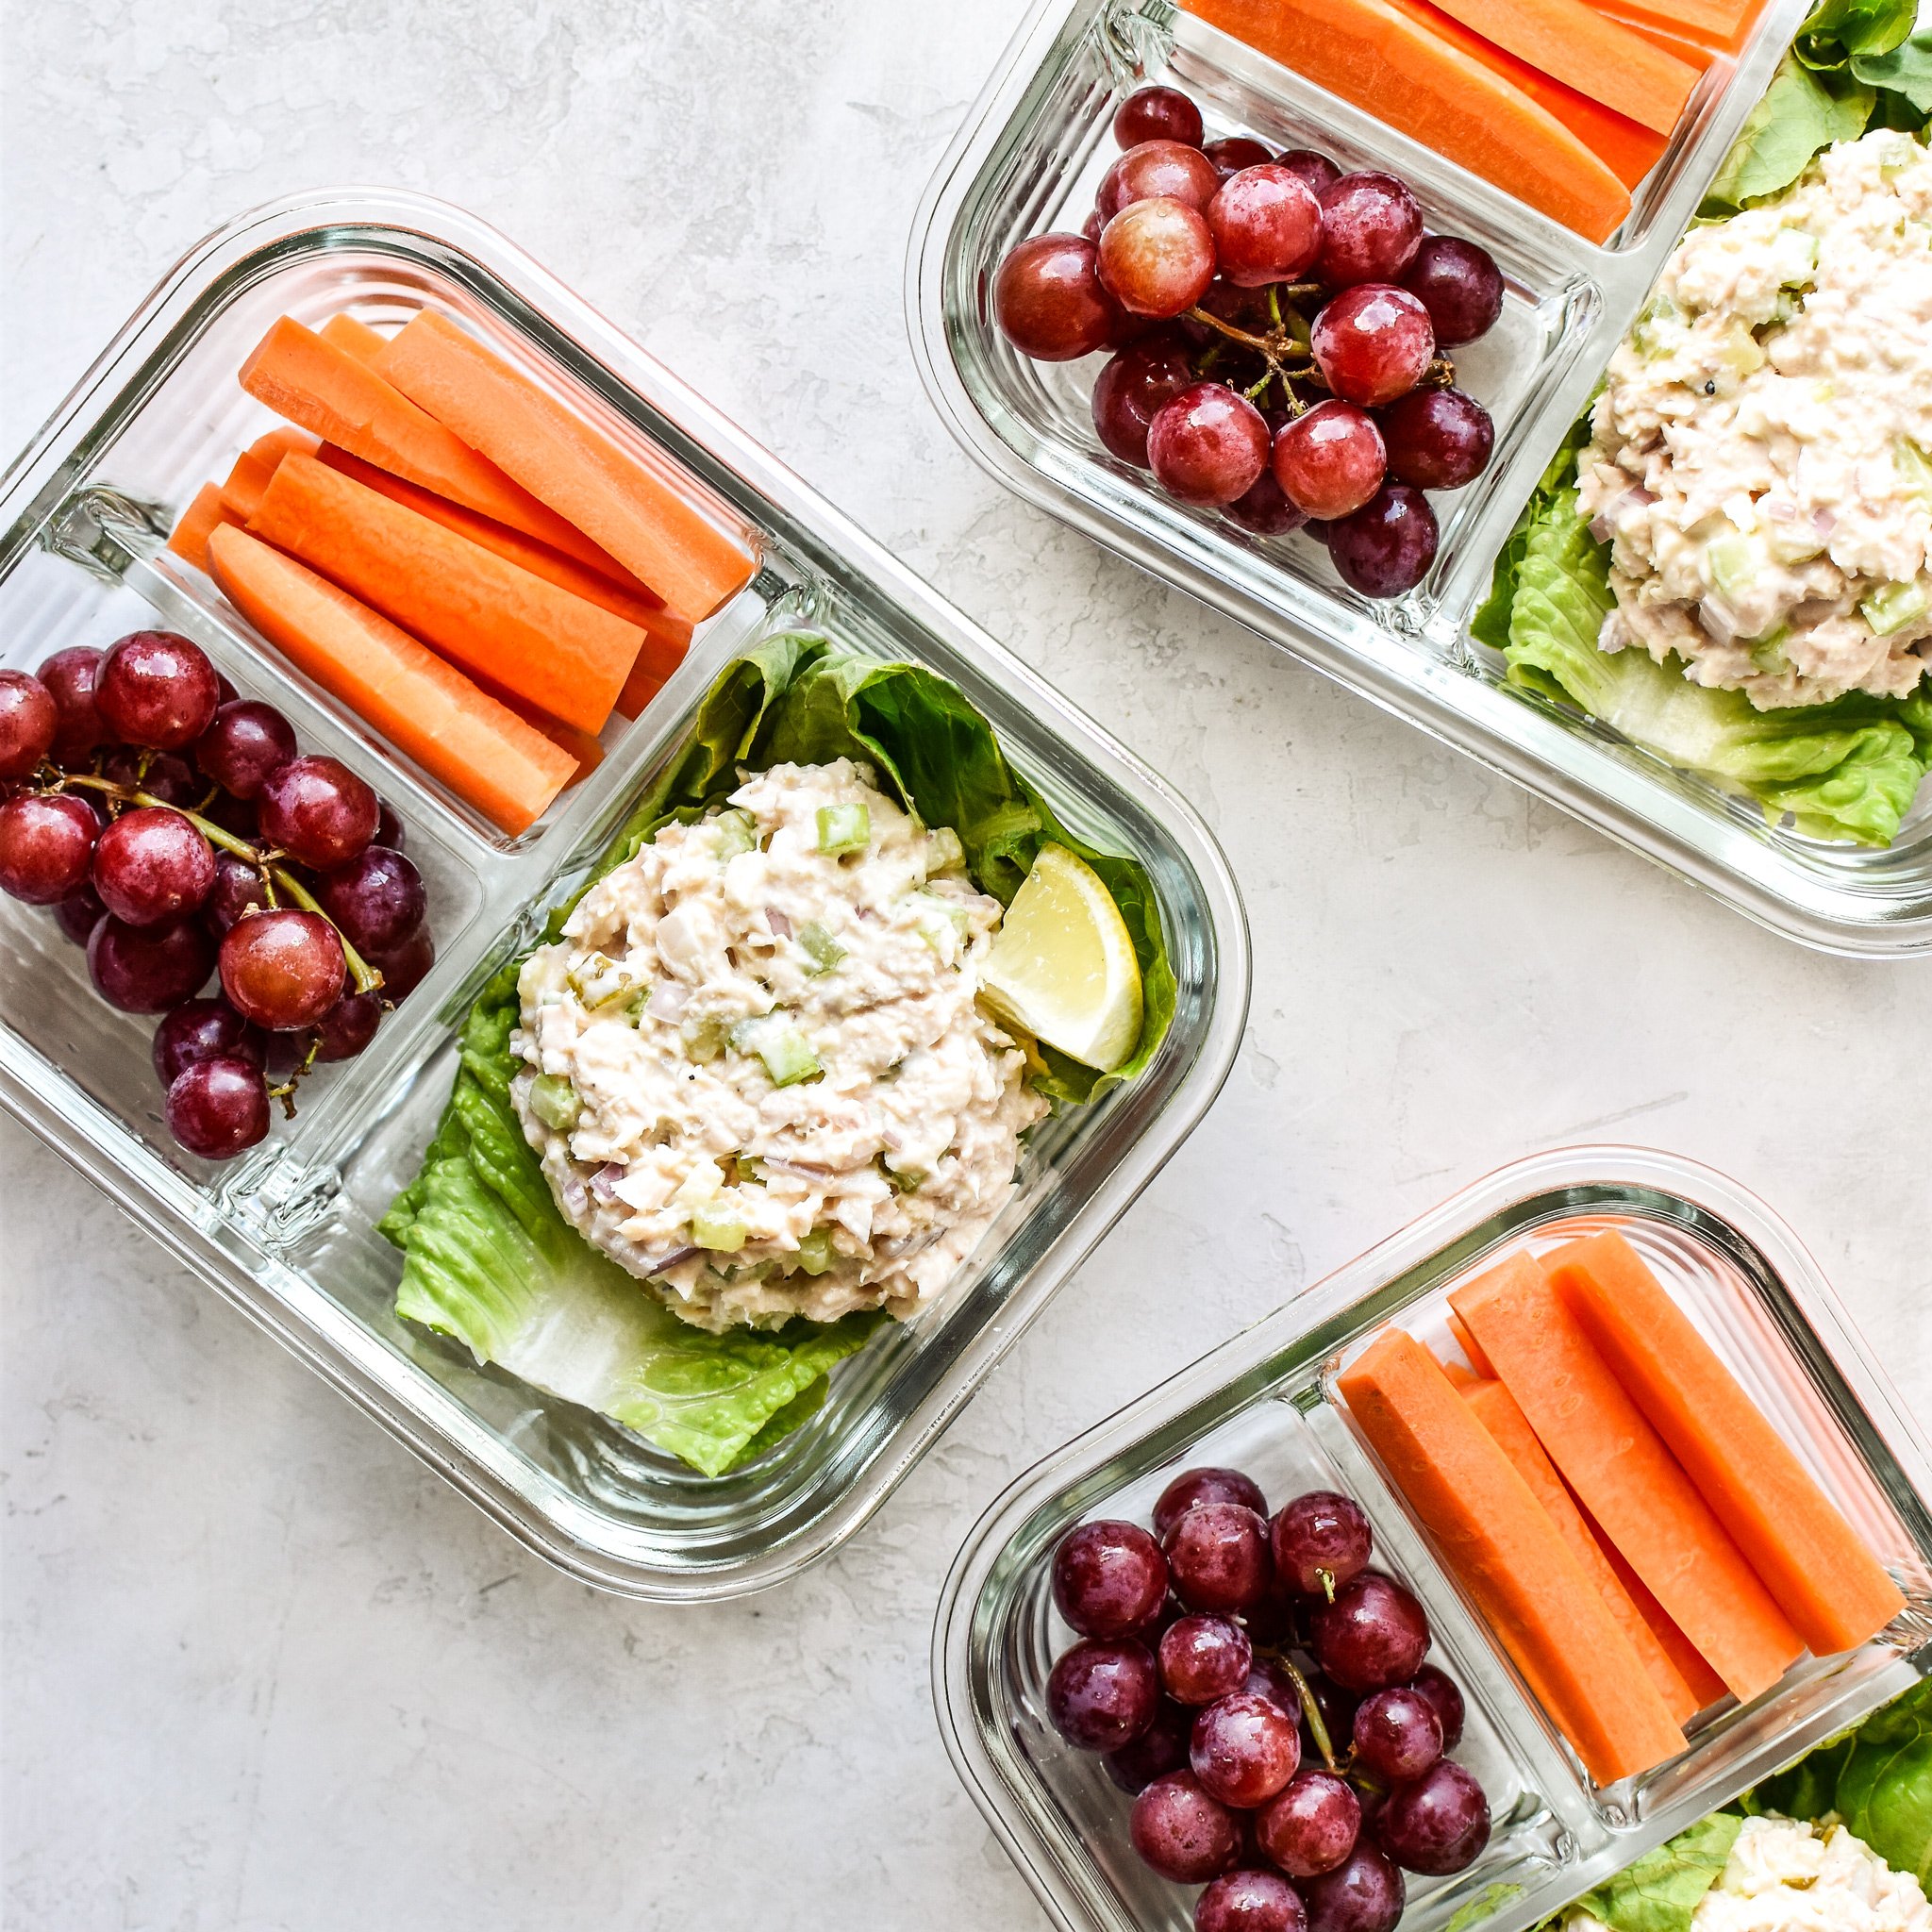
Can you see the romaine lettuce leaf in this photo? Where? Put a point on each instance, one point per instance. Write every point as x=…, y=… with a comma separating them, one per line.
x=1800, y=114
x=1659, y=1892
x=1885, y=1789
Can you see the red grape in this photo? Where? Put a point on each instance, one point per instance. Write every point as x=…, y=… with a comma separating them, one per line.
x=157, y=774
x=203, y=1030
x=1207, y=445
x=348, y=1026
x=1233, y=152
x=1439, y=439
x=1249, y=1902
x=69, y=678
x=153, y=864
x=238, y=887
x=1158, y=113
x=1267, y=225
x=217, y=1108
x=1160, y=1748
x=283, y=969
x=1164, y=170
x=1319, y=1542
x=1244, y=1749
x=1050, y=302
x=79, y=915
x=1109, y=1579
x=388, y=827
x=1131, y=389
x=318, y=811
x=28, y=720
x=1157, y=257
x=403, y=970
x=1312, y=1824
x=1182, y=1832
x=1445, y=1699
x=1372, y=1635
x=1460, y=286
x=1364, y=1893
x=1102, y=1694
x=1397, y=1734
x=1436, y=1824
x=1388, y=545
x=1203, y=1659
x=1091, y=227
x=156, y=690
x=1372, y=226
x=147, y=969
x=1330, y=459
x=246, y=742
x=377, y=901
x=46, y=847
x=1372, y=342
x=1217, y=1554
x=1266, y=509
x=1206, y=1486
x=1316, y=169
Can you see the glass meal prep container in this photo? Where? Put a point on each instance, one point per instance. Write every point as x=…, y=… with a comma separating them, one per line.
x=1265, y=1402
x=1028, y=159
x=288, y=1231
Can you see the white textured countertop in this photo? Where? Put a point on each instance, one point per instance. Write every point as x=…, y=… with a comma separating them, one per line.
x=263, y=1671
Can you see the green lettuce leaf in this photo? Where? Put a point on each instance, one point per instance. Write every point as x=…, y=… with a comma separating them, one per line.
x=1904, y=73
x=1836, y=32
x=488, y=1258
x=1885, y=1789
x=1800, y=115
x=1659, y=1892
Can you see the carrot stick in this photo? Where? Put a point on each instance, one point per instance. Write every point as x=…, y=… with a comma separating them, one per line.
x=1497, y=1410
x=426, y=708
x=353, y=338
x=1719, y=25
x=285, y=440
x=1626, y=1477
x=648, y=521
x=640, y=688
x=188, y=538
x=244, y=484
x=1470, y=1346
x=564, y=656
x=1706, y=1685
x=1810, y=1558
x=1497, y=1539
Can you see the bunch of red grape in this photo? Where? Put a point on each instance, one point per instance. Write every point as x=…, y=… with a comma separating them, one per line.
x=1262, y=1692
x=1275, y=327
x=176, y=830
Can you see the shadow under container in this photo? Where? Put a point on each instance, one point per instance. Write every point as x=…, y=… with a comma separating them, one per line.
x=1029, y=159
x=287, y=1232
x=1265, y=1402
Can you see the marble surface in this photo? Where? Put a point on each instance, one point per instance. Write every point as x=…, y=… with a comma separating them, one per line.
x=261, y=1669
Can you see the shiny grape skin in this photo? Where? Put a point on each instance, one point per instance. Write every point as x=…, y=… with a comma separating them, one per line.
x=218, y=1108
x=348, y=1026
x=1249, y=1901
x=1372, y=342
x=1320, y=1541
x=1364, y=1893
x=161, y=775
x=1460, y=286
x=318, y=811
x=1132, y=389
x=1156, y=257
x=1207, y=445
x=1445, y=1697
x=1267, y=225
x=237, y=889
x=377, y=901
x=1438, y=438
x=46, y=847
x=1373, y=1635
x=282, y=969
x=1203, y=1659
x=1050, y=302
x=156, y=690
x=1312, y=1824
x=1244, y=1749
x=1158, y=113
x=1182, y=1832
x=245, y=743
x=203, y=1030
x=1233, y=152
x=147, y=969
x=1205, y=1485
x=1397, y=1734
x=1266, y=509
x=1217, y=1554
x=1330, y=459
x=77, y=916
x=1316, y=169
x=152, y=864
x=1109, y=1578
x=28, y=720
x=1102, y=1694
x=1372, y=226
x=1437, y=1823
x=388, y=827
x=1165, y=170
x=69, y=677
x=403, y=970
x=1388, y=545
x=1161, y=1748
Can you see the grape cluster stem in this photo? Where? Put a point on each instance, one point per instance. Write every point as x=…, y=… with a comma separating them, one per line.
x=1286, y=348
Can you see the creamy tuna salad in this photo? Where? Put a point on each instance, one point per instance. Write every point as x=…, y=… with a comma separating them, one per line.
x=1762, y=456
x=754, y=1067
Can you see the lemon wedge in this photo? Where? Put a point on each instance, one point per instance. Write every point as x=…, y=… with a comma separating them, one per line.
x=1062, y=966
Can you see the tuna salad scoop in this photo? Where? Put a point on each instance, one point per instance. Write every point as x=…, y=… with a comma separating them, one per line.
x=755, y=1070
x=1761, y=457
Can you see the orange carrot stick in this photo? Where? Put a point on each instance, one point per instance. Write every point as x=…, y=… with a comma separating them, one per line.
x=353, y=338
x=1706, y=1685
x=188, y=538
